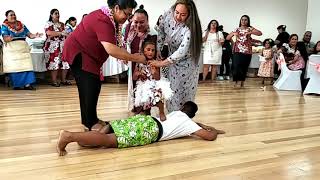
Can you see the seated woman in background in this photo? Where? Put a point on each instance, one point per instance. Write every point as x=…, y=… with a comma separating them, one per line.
x=317, y=48
x=17, y=60
x=293, y=57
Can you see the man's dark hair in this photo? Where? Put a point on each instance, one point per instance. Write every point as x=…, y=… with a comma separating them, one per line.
x=190, y=108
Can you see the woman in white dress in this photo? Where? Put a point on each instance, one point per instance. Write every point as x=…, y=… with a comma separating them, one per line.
x=212, y=55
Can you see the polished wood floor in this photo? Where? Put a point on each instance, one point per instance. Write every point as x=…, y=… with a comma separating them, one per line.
x=270, y=135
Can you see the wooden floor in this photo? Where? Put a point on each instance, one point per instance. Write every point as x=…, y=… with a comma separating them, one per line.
x=270, y=135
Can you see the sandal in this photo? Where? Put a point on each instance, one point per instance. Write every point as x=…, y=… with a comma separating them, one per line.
x=55, y=84
x=66, y=83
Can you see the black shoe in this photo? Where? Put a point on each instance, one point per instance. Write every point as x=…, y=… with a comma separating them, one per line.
x=17, y=88
x=55, y=84
x=29, y=88
x=66, y=83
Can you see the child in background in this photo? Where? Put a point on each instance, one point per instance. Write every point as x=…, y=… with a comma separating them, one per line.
x=266, y=66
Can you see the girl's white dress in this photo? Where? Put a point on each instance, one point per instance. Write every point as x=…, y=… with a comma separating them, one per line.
x=150, y=91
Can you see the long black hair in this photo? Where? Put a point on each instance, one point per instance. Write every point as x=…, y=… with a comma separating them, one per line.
x=246, y=16
x=194, y=24
x=123, y=4
x=51, y=13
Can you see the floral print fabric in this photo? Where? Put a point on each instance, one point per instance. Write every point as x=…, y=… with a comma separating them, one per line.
x=135, y=131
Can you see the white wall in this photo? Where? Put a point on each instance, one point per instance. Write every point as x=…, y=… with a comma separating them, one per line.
x=265, y=15
x=35, y=13
x=313, y=19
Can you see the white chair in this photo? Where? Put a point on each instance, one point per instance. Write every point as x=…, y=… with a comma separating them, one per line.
x=288, y=80
x=313, y=73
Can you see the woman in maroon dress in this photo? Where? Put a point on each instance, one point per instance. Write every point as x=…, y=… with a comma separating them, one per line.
x=88, y=47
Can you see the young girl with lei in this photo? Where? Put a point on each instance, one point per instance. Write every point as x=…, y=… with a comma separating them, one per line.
x=151, y=90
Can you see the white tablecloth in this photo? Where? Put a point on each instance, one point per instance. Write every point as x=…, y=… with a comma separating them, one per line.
x=255, y=63
x=314, y=59
x=39, y=64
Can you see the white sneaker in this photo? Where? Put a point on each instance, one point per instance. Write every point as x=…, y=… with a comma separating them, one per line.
x=220, y=78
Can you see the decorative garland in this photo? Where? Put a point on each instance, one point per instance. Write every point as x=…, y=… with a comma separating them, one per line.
x=16, y=27
x=107, y=11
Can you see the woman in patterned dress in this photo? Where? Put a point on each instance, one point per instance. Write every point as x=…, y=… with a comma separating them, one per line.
x=56, y=34
x=242, y=49
x=180, y=27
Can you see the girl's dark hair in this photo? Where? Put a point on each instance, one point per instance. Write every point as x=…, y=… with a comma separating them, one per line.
x=246, y=16
x=271, y=42
x=194, y=25
x=71, y=19
x=142, y=11
x=7, y=12
x=51, y=13
x=209, y=25
x=315, y=48
x=282, y=27
x=150, y=39
x=123, y=4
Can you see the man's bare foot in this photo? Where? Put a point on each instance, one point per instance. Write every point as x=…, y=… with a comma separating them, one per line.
x=162, y=116
x=98, y=126
x=220, y=131
x=105, y=129
x=62, y=143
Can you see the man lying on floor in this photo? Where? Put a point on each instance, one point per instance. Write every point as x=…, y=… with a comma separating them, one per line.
x=141, y=130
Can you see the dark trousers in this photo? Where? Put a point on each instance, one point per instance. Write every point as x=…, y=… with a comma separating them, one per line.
x=225, y=64
x=240, y=65
x=276, y=69
x=89, y=86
